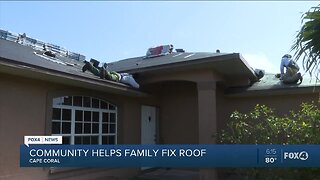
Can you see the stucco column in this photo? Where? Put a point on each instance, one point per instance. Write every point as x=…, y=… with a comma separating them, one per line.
x=207, y=120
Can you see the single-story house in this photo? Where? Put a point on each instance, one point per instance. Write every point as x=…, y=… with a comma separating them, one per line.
x=184, y=98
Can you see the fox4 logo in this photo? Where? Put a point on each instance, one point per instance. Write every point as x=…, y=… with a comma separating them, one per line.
x=296, y=155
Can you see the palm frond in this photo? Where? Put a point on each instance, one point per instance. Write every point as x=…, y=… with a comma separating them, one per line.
x=307, y=41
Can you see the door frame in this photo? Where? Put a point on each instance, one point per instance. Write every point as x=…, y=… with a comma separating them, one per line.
x=156, y=129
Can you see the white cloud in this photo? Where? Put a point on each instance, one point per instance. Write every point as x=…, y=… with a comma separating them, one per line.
x=260, y=61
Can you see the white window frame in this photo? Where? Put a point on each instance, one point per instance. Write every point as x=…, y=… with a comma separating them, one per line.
x=73, y=109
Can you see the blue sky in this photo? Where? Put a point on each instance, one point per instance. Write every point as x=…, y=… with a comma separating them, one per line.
x=108, y=31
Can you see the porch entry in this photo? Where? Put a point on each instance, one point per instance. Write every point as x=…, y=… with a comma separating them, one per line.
x=148, y=125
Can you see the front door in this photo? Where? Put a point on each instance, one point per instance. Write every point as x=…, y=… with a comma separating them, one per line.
x=148, y=125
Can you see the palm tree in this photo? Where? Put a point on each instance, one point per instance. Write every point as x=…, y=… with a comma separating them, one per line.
x=307, y=43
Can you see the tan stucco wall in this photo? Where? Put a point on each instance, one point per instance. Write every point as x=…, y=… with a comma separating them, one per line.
x=281, y=104
x=22, y=112
x=25, y=109
x=178, y=116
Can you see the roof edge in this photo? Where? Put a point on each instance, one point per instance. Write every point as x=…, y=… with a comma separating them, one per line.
x=193, y=62
x=271, y=92
x=41, y=73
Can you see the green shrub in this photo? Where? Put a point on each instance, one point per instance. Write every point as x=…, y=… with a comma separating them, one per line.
x=263, y=126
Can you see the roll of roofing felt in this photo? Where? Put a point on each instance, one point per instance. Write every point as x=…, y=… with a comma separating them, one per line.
x=259, y=73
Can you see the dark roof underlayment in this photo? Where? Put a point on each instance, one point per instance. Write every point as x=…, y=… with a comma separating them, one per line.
x=269, y=84
x=23, y=60
x=17, y=59
x=137, y=64
x=229, y=65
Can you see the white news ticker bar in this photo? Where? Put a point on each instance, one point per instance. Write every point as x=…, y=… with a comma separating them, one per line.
x=42, y=140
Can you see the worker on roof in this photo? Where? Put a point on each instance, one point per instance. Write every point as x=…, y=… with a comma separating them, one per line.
x=21, y=39
x=292, y=75
x=124, y=78
x=47, y=51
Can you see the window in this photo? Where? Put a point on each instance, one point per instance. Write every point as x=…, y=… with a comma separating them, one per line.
x=84, y=120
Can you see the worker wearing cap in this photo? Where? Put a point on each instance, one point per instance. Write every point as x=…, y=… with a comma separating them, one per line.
x=291, y=76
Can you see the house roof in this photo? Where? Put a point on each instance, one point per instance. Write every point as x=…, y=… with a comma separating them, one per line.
x=33, y=63
x=137, y=64
x=229, y=65
x=270, y=84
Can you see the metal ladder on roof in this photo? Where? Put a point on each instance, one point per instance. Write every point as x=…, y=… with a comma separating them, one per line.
x=38, y=45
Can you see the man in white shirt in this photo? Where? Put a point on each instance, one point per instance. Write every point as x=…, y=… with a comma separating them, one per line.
x=291, y=76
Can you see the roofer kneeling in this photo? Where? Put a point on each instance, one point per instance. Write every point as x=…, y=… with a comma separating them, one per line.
x=292, y=75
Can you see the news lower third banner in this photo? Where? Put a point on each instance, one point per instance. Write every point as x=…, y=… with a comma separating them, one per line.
x=169, y=155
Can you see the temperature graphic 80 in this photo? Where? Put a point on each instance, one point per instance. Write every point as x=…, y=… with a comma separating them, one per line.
x=270, y=160
x=270, y=156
